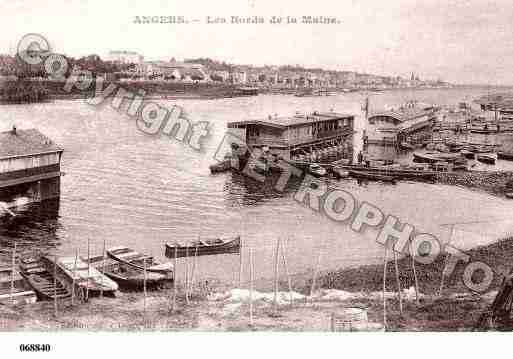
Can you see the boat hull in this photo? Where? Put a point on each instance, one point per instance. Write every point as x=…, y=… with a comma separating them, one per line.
x=225, y=248
x=372, y=176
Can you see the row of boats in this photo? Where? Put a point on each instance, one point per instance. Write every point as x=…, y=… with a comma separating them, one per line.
x=50, y=278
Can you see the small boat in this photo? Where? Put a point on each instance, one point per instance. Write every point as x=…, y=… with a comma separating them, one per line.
x=432, y=157
x=222, y=166
x=316, y=170
x=41, y=279
x=482, y=131
x=204, y=247
x=407, y=146
x=486, y=158
x=372, y=176
x=501, y=155
x=139, y=261
x=86, y=277
x=127, y=276
x=339, y=172
x=468, y=154
x=509, y=195
x=14, y=289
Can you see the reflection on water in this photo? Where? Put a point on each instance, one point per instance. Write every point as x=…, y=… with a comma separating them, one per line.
x=127, y=188
x=34, y=228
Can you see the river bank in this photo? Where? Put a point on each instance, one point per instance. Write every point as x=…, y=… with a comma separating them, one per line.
x=220, y=307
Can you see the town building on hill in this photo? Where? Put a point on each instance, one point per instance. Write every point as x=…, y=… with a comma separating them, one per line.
x=125, y=57
x=174, y=70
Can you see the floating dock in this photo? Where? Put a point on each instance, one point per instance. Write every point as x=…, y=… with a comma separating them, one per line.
x=29, y=166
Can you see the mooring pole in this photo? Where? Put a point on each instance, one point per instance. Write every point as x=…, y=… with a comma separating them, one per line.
x=103, y=267
x=194, y=264
x=13, y=272
x=144, y=284
x=55, y=285
x=88, y=268
x=445, y=265
x=276, y=268
x=251, y=286
x=175, y=277
x=186, y=268
x=398, y=281
x=384, y=288
x=240, y=263
x=412, y=252
x=314, y=278
x=74, y=280
x=285, y=266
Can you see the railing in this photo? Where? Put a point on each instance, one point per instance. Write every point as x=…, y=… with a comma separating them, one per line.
x=295, y=141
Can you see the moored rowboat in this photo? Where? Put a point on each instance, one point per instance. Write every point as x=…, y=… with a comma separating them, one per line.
x=128, y=277
x=85, y=276
x=486, y=158
x=14, y=289
x=139, y=261
x=204, y=247
x=501, y=155
x=42, y=280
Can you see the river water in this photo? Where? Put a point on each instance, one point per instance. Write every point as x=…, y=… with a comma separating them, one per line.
x=130, y=188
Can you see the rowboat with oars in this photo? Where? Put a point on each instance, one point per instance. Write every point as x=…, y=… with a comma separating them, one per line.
x=128, y=277
x=486, y=158
x=86, y=277
x=13, y=287
x=203, y=247
x=42, y=280
x=502, y=155
x=139, y=261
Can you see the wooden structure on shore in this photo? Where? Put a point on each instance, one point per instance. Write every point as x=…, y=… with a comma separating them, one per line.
x=309, y=137
x=29, y=165
x=411, y=123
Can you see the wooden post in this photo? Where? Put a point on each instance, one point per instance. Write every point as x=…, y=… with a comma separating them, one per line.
x=241, y=263
x=103, y=266
x=412, y=252
x=55, y=285
x=186, y=268
x=194, y=263
x=251, y=286
x=175, y=277
x=384, y=288
x=13, y=272
x=73, y=282
x=445, y=265
x=398, y=281
x=285, y=266
x=88, y=269
x=276, y=267
x=315, y=271
x=144, y=284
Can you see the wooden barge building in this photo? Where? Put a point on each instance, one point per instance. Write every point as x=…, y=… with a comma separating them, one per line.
x=29, y=166
x=300, y=138
x=411, y=123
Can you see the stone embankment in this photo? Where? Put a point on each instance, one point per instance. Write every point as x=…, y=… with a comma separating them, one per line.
x=498, y=183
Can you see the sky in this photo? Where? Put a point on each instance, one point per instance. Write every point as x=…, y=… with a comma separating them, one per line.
x=457, y=41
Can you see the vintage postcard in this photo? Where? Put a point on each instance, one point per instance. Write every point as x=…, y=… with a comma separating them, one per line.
x=168, y=167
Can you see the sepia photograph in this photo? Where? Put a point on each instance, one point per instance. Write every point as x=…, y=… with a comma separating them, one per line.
x=307, y=171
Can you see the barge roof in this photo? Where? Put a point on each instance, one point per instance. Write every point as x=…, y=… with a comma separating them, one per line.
x=290, y=121
x=22, y=143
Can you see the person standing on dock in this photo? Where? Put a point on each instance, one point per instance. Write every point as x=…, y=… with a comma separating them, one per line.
x=360, y=157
